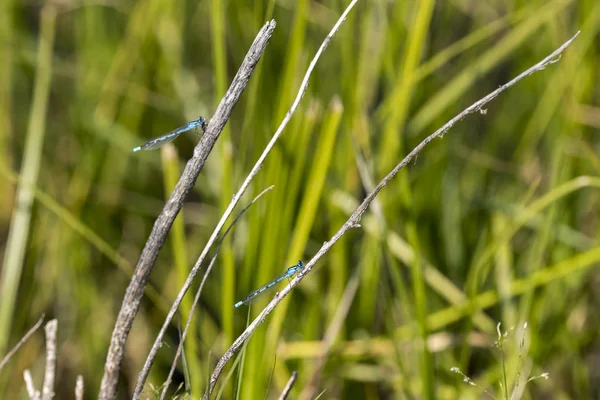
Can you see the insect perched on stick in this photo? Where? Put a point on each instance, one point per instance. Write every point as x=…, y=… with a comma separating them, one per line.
x=168, y=137
x=291, y=271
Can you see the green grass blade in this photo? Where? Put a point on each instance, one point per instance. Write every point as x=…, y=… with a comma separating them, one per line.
x=14, y=258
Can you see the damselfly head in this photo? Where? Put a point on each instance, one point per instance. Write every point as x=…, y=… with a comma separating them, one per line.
x=296, y=268
x=202, y=122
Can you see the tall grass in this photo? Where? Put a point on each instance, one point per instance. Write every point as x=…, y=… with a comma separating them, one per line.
x=497, y=222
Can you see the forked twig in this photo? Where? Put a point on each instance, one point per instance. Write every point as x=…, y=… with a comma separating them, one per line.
x=354, y=220
x=50, y=370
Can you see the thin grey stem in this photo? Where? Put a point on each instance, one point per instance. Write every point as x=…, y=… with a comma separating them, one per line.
x=288, y=387
x=163, y=223
x=21, y=342
x=197, y=297
x=354, y=220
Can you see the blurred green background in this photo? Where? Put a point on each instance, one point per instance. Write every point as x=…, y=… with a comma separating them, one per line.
x=496, y=223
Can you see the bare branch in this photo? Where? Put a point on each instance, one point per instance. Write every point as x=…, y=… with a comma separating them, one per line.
x=50, y=374
x=289, y=386
x=163, y=223
x=197, y=298
x=354, y=220
x=21, y=342
x=235, y=200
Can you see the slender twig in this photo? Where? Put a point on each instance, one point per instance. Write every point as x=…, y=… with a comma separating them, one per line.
x=32, y=392
x=197, y=298
x=158, y=341
x=354, y=220
x=50, y=373
x=79, y=388
x=289, y=386
x=21, y=342
x=163, y=223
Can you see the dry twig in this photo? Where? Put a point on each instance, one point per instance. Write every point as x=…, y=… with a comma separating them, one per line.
x=33, y=393
x=288, y=387
x=50, y=373
x=21, y=342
